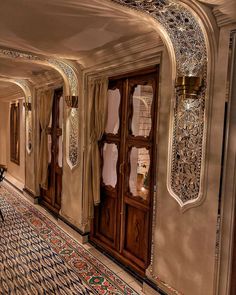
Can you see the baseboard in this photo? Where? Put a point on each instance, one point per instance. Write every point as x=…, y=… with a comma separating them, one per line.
x=75, y=228
x=152, y=287
x=29, y=194
x=13, y=185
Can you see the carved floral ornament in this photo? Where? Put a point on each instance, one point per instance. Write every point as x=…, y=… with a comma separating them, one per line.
x=71, y=90
x=186, y=151
x=28, y=115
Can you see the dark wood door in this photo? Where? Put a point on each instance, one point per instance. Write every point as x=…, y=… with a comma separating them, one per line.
x=51, y=198
x=123, y=220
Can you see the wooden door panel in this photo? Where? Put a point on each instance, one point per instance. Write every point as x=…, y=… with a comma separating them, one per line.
x=46, y=194
x=106, y=219
x=58, y=187
x=135, y=244
x=51, y=198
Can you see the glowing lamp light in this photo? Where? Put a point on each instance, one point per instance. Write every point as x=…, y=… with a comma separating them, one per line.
x=188, y=86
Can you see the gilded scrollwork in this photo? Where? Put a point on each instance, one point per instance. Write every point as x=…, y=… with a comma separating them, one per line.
x=182, y=28
x=187, y=148
x=68, y=72
x=72, y=137
x=187, y=38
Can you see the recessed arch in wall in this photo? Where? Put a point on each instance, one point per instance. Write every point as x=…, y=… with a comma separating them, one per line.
x=26, y=87
x=183, y=33
x=187, y=31
x=70, y=78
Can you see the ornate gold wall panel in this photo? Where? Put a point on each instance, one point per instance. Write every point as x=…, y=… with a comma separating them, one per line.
x=187, y=137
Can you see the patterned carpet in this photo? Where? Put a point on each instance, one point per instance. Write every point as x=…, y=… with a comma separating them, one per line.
x=37, y=257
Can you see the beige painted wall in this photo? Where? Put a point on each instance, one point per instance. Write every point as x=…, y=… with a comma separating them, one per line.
x=72, y=180
x=226, y=244
x=185, y=242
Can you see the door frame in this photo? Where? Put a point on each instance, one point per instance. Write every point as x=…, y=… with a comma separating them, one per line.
x=226, y=271
x=123, y=260
x=55, y=211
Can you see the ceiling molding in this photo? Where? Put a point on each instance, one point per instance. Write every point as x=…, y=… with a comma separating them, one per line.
x=221, y=18
x=122, y=53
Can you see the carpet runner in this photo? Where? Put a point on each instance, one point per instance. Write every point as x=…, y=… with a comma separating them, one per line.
x=37, y=257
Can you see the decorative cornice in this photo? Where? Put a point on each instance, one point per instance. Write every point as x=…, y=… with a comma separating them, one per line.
x=221, y=18
x=61, y=66
x=182, y=28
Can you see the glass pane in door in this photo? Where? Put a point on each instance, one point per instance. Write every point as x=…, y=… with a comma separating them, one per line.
x=139, y=172
x=142, y=104
x=110, y=157
x=113, y=119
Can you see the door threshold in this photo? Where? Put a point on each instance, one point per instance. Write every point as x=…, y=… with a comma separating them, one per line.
x=120, y=264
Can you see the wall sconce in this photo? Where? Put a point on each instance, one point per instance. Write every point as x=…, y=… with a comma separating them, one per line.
x=188, y=86
x=14, y=103
x=72, y=101
x=28, y=125
x=27, y=105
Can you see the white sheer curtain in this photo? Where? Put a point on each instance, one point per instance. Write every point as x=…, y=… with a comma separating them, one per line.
x=97, y=96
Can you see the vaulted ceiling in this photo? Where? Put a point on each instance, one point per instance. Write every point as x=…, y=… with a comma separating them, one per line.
x=68, y=29
x=65, y=28
x=79, y=30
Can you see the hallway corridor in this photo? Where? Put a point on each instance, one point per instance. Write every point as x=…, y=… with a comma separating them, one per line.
x=118, y=147
x=38, y=257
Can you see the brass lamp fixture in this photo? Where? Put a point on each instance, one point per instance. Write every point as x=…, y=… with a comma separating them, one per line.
x=27, y=105
x=15, y=103
x=188, y=86
x=72, y=101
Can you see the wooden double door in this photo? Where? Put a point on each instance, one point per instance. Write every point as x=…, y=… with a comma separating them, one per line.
x=123, y=220
x=51, y=198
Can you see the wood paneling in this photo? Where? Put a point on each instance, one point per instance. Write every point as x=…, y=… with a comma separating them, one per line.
x=15, y=133
x=51, y=198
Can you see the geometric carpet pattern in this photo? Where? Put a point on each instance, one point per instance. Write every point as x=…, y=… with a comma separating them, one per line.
x=38, y=257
